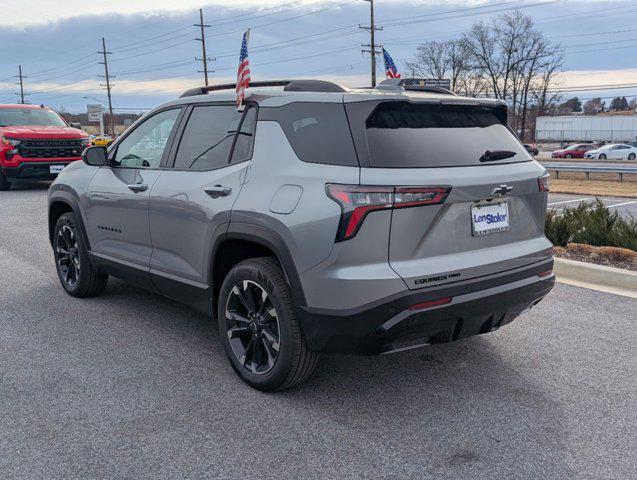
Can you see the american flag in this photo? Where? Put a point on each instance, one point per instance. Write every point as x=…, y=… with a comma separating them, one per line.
x=390, y=67
x=243, y=74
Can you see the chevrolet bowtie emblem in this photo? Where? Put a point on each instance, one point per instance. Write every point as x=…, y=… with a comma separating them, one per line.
x=501, y=191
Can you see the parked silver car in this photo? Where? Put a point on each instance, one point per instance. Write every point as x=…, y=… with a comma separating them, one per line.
x=317, y=219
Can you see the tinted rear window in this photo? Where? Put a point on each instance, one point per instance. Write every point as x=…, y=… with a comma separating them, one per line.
x=408, y=135
x=318, y=132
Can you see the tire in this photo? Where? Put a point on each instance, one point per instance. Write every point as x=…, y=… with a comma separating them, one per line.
x=72, y=263
x=568, y=155
x=264, y=368
x=602, y=156
x=4, y=183
x=631, y=156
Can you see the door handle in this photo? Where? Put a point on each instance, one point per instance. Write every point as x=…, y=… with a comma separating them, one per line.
x=138, y=187
x=218, y=191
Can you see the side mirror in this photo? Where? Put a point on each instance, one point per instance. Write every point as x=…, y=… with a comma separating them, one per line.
x=95, y=156
x=76, y=125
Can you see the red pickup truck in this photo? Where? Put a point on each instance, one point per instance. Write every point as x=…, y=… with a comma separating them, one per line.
x=36, y=143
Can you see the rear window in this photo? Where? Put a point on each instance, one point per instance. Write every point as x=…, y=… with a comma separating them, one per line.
x=408, y=135
x=318, y=132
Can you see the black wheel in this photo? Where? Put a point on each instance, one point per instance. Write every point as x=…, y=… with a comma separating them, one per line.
x=568, y=155
x=77, y=275
x=259, y=328
x=4, y=183
x=602, y=156
x=631, y=156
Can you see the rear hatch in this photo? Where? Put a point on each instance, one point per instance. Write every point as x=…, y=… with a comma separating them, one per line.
x=492, y=216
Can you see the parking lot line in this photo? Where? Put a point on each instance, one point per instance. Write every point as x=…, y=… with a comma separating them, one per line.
x=570, y=201
x=622, y=204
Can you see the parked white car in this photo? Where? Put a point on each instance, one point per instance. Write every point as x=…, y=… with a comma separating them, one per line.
x=616, y=151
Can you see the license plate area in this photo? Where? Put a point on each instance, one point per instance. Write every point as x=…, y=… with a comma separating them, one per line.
x=56, y=168
x=489, y=218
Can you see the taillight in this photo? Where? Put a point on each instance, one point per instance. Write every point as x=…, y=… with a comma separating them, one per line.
x=544, y=183
x=357, y=201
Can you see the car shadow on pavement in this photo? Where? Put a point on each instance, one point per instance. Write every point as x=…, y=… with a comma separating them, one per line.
x=24, y=185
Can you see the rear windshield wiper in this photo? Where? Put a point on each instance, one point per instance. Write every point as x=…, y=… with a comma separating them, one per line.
x=493, y=155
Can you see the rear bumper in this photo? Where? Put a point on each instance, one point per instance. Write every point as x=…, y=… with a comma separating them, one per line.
x=35, y=170
x=476, y=307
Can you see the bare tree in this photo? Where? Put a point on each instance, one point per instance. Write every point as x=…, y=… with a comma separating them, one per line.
x=516, y=59
x=507, y=58
x=439, y=60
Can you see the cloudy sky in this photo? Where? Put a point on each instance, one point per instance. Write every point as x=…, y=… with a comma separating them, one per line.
x=153, y=47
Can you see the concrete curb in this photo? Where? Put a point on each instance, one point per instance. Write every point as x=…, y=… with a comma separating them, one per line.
x=597, y=277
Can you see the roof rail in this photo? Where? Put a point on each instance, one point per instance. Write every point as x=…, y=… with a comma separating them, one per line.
x=289, y=86
x=399, y=84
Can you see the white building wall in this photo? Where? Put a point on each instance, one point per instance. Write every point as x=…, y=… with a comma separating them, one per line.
x=611, y=128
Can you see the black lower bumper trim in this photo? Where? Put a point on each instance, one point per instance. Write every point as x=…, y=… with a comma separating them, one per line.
x=366, y=332
x=33, y=170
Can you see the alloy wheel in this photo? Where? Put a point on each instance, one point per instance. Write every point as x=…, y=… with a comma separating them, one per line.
x=252, y=327
x=68, y=256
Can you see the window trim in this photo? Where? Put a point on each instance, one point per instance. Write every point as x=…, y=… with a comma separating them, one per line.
x=359, y=112
x=170, y=161
x=112, y=152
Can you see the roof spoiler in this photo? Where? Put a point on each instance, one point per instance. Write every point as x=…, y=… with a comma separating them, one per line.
x=288, y=86
x=399, y=84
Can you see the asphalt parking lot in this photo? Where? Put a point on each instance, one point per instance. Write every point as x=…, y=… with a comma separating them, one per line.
x=131, y=385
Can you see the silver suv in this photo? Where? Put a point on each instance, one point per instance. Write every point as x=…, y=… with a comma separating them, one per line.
x=317, y=219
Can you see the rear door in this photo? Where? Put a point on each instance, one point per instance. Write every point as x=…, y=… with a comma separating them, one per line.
x=493, y=217
x=191, y=201
x=621, y=151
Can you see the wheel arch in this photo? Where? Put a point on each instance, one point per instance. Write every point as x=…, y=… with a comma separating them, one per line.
x=243, y=241
x=62, y=202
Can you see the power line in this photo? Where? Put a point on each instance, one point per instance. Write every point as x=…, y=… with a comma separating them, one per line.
x=412, y=20
x=153, y=68
x=592, y=88
x=288, y=18
x=258, y=14
x=589, y=34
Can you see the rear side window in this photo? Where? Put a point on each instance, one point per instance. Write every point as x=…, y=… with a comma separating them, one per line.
x=408, y=135
x=318, y=132
x=209, y=136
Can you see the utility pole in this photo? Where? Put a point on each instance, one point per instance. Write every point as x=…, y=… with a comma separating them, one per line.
x=108, y=85
x=203, y=58
x=372, y=46
x=21, y=83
